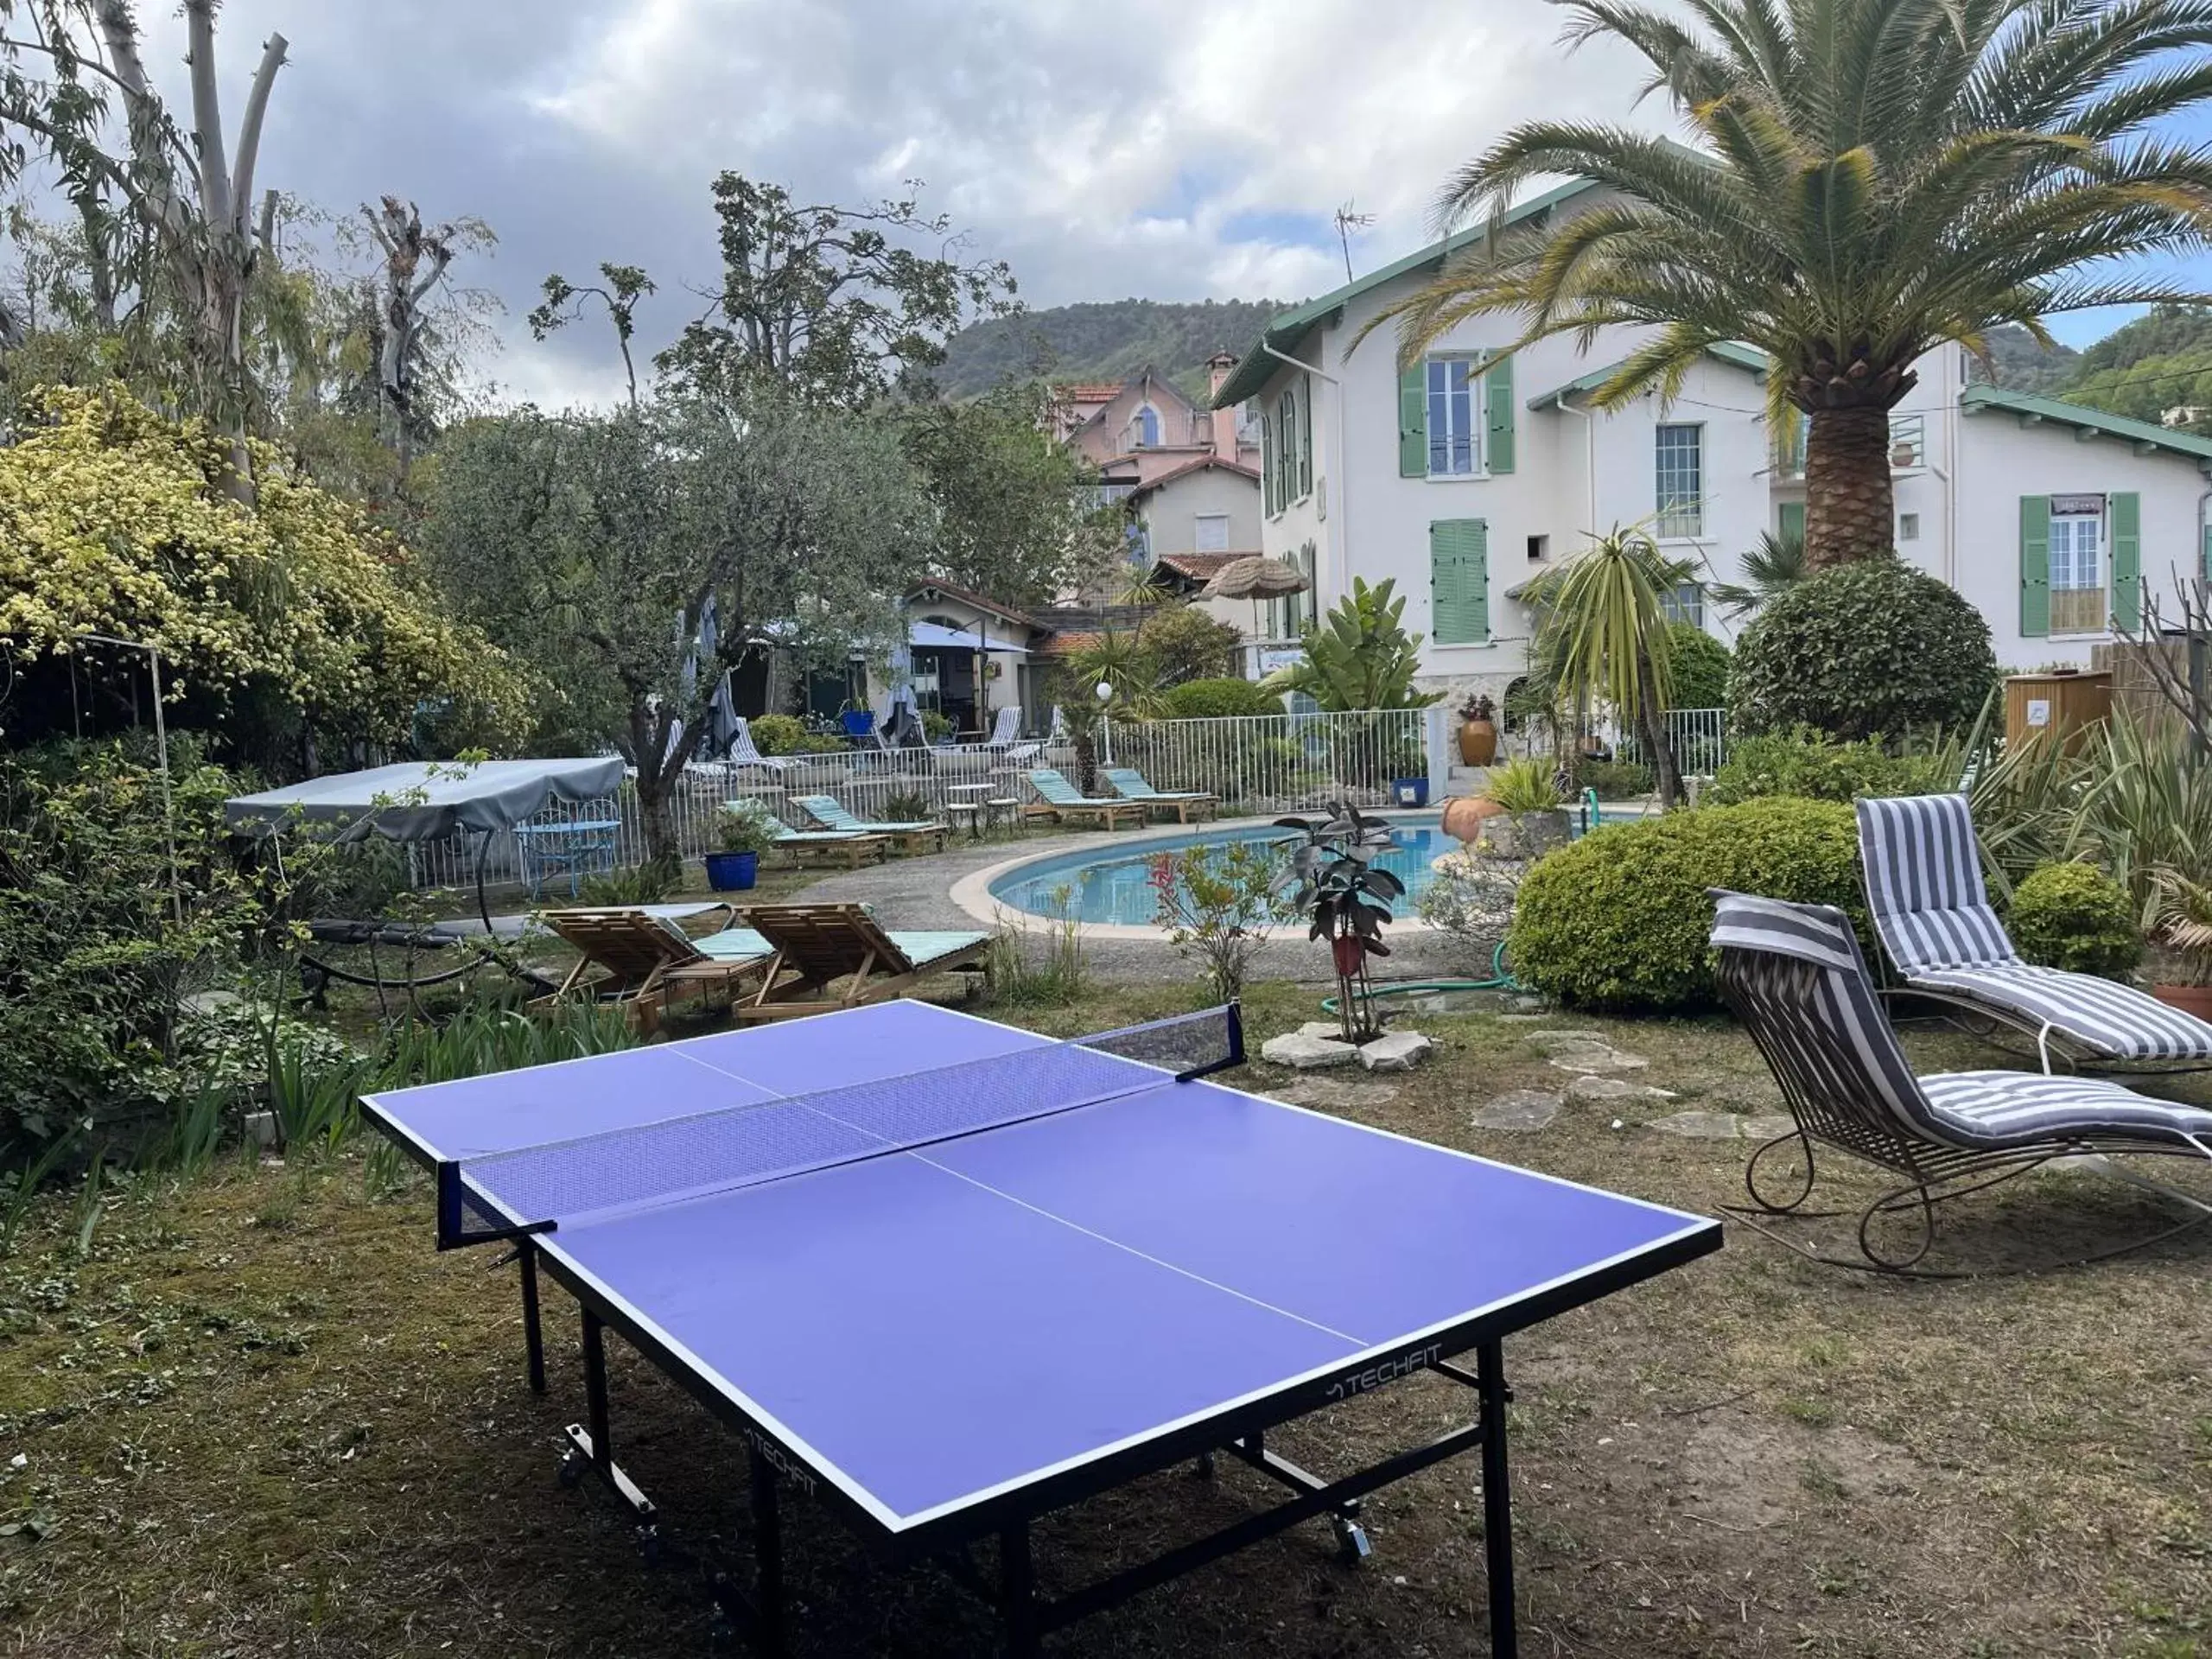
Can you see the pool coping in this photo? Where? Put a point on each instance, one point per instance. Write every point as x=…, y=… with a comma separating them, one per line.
x=972, y=892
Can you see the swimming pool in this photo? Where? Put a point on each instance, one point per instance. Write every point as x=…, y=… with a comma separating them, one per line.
x=1115, y=887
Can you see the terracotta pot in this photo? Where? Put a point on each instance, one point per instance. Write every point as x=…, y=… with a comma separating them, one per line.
x=1465, y=816
x=2189, y=999
x=1479, y=743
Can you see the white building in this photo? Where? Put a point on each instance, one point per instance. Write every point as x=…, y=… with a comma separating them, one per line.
x=1470, y=473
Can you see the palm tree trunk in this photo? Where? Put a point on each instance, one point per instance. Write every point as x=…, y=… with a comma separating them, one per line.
x=1850, y=506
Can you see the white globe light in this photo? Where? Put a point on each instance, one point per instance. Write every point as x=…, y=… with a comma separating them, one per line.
x=1104, y=690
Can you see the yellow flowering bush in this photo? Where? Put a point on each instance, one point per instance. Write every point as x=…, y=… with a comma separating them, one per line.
x=114, y=519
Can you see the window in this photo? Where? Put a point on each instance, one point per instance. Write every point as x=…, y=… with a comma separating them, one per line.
x=1540, y=547
x=1291, y=472
x=1907, y=442
x=2077, y=568
x=1790, y=442
x=1681, y=482
x=1908, y=526
x=1212, y=533
x=1684, y=602
x=1458, y=582
x=1146, y=427
x=1452, y=451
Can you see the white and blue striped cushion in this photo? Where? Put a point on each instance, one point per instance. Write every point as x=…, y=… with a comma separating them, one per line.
x=1925, y=887
x=1923, y=884
x=2019, y=1108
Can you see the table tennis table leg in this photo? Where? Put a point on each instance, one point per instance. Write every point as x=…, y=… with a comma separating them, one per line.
x=1018, y=1593
x=533, y=1338
x=767, y=1555
x=1497, y=1500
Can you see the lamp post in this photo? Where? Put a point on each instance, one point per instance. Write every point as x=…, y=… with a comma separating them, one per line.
x=161, y=755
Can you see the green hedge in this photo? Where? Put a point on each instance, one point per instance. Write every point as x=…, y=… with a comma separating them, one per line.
x=782, y=734
x=1862, y=649
x=1699, y=664
x=1219, y=699
x=1810, y=763
x=2075, y=917
x=1619, y=920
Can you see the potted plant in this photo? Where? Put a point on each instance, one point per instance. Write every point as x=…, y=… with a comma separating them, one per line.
x=1478, y=730
x=1347, y=897
x=2180, y=968
x=1530, y=819
x=743, y=835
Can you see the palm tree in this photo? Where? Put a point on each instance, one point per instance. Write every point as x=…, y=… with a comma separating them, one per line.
x=1601, y=631
x=1777, y=562
x=1873, y=178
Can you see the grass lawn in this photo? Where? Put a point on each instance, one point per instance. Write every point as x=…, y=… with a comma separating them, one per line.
x=259, y=1415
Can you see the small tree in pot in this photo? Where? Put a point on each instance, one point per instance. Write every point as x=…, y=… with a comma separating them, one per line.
x=744, y=832
x=1338, y=885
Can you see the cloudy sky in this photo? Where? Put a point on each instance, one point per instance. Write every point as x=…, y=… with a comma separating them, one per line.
x=1156, y=147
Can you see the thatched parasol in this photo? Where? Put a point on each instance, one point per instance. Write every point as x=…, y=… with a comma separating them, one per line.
x=1254, y=578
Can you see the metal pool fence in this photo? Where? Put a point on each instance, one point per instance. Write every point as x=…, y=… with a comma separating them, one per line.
x=1274, y=763
x=1699, y=737
x=1271, y=763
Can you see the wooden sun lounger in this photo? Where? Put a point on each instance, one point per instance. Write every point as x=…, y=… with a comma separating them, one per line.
x=838, y=957
x=1059, y=799
x=642, y=961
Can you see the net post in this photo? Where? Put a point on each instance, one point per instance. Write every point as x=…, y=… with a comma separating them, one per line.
x=1234, y=1012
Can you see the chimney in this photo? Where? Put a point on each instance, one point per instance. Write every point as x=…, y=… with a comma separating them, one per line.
x=1224, y=420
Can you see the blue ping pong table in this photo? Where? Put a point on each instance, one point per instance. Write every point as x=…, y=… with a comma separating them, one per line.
x=944, y=1276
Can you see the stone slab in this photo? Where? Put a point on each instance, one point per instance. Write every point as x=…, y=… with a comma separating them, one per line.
x=1303, y=1054
x=1519, y=1109
x=1720, y=1125
x=1590, y=1086
x=1401, y=1051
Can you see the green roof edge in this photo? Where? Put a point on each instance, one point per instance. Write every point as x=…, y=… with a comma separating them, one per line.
x=1286, y=328
x=1980, y=395
x=1750, y=358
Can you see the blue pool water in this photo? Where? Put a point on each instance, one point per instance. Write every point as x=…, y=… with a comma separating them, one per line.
x=1110, y=885
x=1115, y=885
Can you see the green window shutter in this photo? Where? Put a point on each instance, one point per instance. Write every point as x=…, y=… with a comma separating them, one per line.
x=1500, y=436
x=1413, y=421
x=1270, y=432
x=1305, y=442
x=1791, y=518
x=1459, y=578
x=2128, y=562
x=2034, y=567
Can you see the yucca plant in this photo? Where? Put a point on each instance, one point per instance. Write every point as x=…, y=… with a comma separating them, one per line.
x=1525, y=785
x=1872, y=178
x=1601, y=626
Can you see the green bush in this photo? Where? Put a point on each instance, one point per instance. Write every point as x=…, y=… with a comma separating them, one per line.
x=2075, y=917
x=1810, y=763
x=1619, y=919
x=1219, y=700
x=782, y=734
x=1614, y=780
x=1700, y=668
x=1862, y=649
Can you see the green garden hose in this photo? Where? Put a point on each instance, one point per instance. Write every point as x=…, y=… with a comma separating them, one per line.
x=1501, y=979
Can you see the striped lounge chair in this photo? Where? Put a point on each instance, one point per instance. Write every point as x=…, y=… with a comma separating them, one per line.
x=1793, y=976
x=1059, y=799
x=915, y=835
x=1132, y=785
x=1923, y=872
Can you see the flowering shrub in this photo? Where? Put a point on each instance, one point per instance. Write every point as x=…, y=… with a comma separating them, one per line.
x=1219, y=903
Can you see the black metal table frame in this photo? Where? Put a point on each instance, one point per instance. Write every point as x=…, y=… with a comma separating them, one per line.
x=759, y=1613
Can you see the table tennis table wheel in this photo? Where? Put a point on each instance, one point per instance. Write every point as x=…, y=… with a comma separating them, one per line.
x=571, y=1470
x=1352, y=1546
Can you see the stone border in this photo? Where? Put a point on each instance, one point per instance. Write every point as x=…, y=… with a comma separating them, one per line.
x=972, y=892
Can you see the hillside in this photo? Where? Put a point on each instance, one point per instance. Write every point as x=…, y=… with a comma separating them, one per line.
x=1109, y=341
x=2023, y=365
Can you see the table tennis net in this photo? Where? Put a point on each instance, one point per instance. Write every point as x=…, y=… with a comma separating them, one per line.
x=534, y=1189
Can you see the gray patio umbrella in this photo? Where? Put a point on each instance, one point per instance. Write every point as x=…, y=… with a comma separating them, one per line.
x=1254, y=578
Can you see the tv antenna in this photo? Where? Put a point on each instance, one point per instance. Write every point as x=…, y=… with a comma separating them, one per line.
x=1347, y=222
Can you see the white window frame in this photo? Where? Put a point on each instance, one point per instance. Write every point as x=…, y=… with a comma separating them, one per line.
x=1684, y=602
x=2070, y=564
x=1695, y=518
x=1912, y=430
x=1198, y=542
x=1908, y=526
x=1476, y=395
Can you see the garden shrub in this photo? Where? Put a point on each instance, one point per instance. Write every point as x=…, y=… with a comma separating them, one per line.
x=1700, y=666
x=1810, y=763
x=1614, y=780
x=1219, y=699
x=782, y=734
x=1864, y=648
x=2075, y=917
x=1620, y=919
